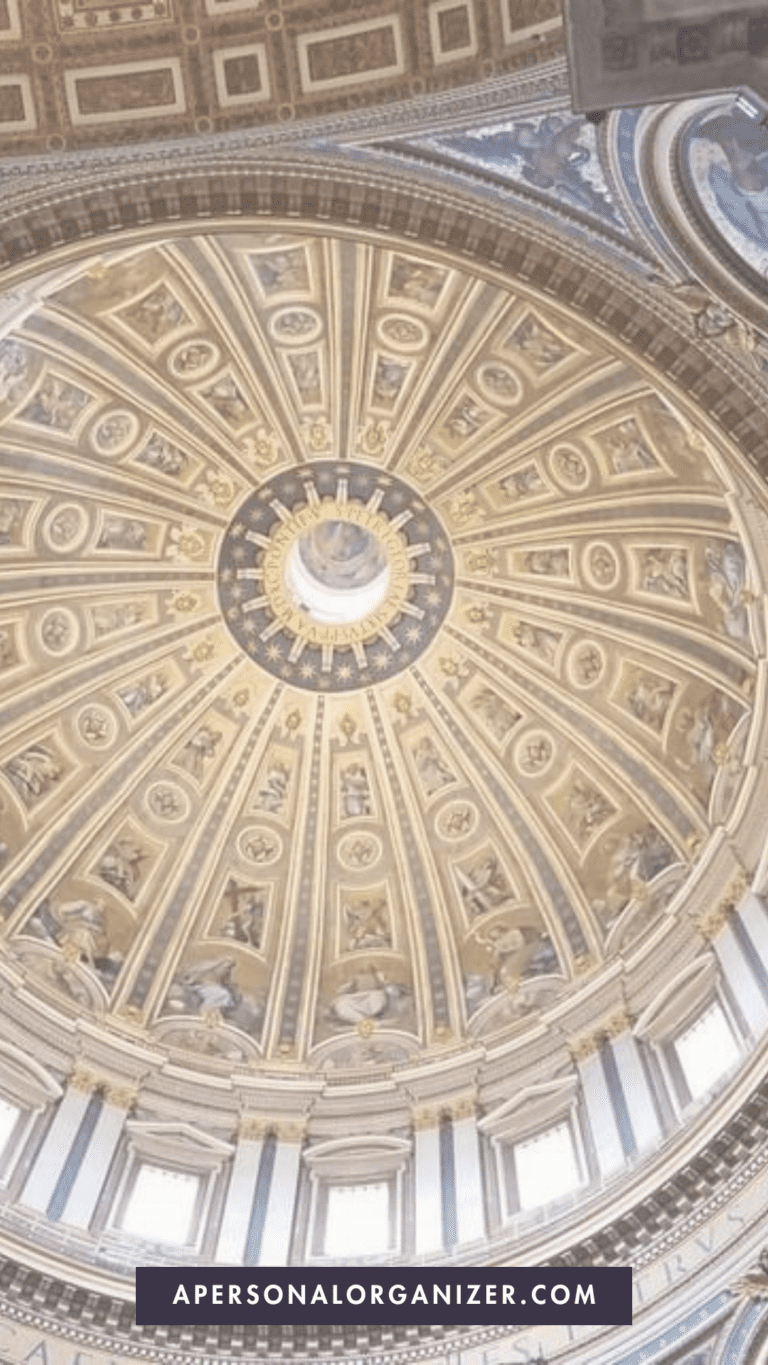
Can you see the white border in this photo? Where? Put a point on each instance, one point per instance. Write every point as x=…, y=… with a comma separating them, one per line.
x=457, y=53
x=222, y=55
x=29, y=121
x=307, y=40
x=72, y=76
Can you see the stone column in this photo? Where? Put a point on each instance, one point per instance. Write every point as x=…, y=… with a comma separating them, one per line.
x=638, y=1096
x=238, y=1208
x=752, y=913
x=50, y=1160
x=742, y=984
x=600, y=1113
x=281, y=1199
x=470, y=1195
x=94, y=1168
x=428, y=1196
x=740, y=959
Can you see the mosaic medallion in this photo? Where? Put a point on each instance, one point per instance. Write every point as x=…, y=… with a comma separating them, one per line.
x=334, y=576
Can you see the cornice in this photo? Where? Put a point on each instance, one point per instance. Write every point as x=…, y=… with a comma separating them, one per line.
x=647, y=1232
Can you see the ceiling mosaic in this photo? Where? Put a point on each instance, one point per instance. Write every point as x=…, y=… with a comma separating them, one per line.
x=552, y=154
x=85, y=72
x=377, y=649
x=723, y=155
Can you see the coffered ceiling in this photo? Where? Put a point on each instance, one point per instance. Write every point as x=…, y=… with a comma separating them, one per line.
x=84, y=72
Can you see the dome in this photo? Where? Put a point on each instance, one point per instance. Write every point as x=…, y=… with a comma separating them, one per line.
x=390, y=668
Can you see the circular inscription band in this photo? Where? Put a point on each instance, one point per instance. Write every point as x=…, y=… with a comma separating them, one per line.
x=333, y=576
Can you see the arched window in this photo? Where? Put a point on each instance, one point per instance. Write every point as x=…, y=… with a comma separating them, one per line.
x=546, y=1166
x=10, y=1116
x=706, y=1050
x=161, y=1205
x=357, y=1220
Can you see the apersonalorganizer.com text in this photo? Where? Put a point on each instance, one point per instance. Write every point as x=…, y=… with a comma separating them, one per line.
x=518, y=1296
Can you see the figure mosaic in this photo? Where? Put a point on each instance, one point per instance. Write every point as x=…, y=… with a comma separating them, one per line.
x=403, y=332
x=571, y=468
x=731, y=166
x=485, y=562
x=111, y=616
x=8, y=655
x=35, y=771
x=496, y=715
x=355, y=791
x=56, y=404
x=484, y=886
x=245, y=913
x=478, y=615
x=537, y=640
x=121, y=866
x=14, y=370
x=138, y=696
x=501, y=382
x=66, y=527
x=552, y=563
x=228, y=400
x=199, y=750
x=458, y=821
x=627, y=449
x=115, y=431
x=522, y=483
x=211, y=988
x=603, y=565
x=541, y=347
x=57, y=631
x=359, y=851
x=368, y=995
x=295, y=324
x=707, y=727
x=155, y=315
x=465, y=419
x=726, y=571
x=167, y=802
x=504, y=943
x=649, y=699
x=164, y=457
x=664, y=571
x=122, y=533
x=12, y=513
x=283, y=272
x=95, y=726
x=197, y=355
x=433, y=771
x=272, y=791
x=417, y=281
x=389, y=377
x=366, y=921
x=588, y=664
x=464, y=508
x=305, y=368
x=555, y=153
x=425, y=464
x=260, y=847
x=636, y=859
x=80, y=929
x=586, y=809
x=534, y=754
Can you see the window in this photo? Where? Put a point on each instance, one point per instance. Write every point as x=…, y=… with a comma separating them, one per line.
x=546, y=1166
x=357, y=1220
x=161, y=1205
x=706, y=1050
x=9, y=1136
x=9, y=1117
